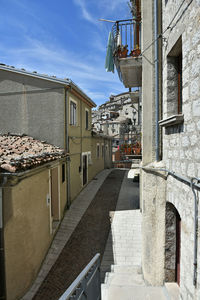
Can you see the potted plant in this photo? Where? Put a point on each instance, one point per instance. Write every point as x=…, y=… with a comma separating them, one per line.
x=122, y=51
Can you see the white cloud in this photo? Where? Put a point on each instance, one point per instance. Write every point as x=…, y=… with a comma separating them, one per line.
x=87, y=72
x=85, y=13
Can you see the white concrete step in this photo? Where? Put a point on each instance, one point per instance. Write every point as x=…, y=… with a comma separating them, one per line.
x=135, y=269
x=119, y=292
x=124, y=279
x=173, y=290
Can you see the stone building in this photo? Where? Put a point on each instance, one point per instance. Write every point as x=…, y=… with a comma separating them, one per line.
x=168, y=63
x=120, y=117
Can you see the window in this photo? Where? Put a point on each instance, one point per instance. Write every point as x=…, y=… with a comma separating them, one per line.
x=63, y=172
x=102, y=150
x=98, y=150
x=173, y=98
x=73, y=109
x=174, y=79
x=86, y=119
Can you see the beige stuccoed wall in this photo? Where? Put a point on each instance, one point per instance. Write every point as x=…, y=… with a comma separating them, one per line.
x=27, y=229
x=153, y=225
x=63, y=189
x=27, y=232
x=97, y=162
x=81, y=141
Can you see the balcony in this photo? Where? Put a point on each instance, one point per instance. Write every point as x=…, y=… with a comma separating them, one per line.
x=126, y=36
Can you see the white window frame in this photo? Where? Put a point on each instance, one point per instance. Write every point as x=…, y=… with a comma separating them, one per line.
x=73, y=112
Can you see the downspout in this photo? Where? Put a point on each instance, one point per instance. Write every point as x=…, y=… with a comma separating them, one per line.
x=156, y=61
x=2, y=252
x=195, y=228
x=67, y=149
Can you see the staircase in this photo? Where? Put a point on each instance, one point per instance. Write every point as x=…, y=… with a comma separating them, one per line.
x=127, y=246
x=125, y=280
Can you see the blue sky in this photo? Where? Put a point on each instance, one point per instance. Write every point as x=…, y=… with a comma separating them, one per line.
x=63, y=38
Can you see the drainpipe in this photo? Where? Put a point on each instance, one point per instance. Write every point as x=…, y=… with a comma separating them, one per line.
x=2, y=256
x=156, y=77
x=195, y=228
x=67, y=149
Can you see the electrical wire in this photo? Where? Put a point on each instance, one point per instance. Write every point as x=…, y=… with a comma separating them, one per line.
x=168, y=27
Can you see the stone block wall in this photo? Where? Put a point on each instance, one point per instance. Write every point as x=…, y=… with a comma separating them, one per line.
x=181, y=143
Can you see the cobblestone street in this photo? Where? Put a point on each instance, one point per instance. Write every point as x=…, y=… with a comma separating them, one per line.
x=88, y=238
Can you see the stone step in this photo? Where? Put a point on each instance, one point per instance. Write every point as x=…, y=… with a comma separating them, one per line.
x=124, y=279
x=173, y=290
x=125, y=292
x=134, y=269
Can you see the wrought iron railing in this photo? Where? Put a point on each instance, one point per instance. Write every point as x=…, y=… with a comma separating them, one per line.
x=126, y=35
x=87, y=285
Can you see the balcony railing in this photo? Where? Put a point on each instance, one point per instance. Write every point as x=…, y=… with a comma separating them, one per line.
x=87, y=286
x=126, y=35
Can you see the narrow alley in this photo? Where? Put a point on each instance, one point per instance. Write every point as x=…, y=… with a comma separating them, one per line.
x=84, y=232
x=105, y=218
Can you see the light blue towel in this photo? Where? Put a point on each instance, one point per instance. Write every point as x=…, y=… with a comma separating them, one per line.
x=109, y=63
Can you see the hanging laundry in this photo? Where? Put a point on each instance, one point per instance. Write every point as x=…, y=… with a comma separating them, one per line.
x=109, y=63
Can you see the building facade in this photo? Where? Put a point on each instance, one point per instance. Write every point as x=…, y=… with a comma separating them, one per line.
x=54, y=110
x=169, y=185
x=33, y=189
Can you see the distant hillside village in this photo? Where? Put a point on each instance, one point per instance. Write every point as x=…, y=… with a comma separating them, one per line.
x=120, y=118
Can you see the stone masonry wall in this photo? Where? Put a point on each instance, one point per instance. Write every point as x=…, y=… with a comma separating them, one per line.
x=170, y=243
x=181, y=144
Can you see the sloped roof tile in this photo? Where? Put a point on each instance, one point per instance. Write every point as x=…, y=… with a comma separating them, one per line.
x=21, y=152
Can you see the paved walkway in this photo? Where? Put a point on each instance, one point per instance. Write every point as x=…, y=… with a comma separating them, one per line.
x=68, y=225
x=122, y=255
x=124, y=280
x=122, y=245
